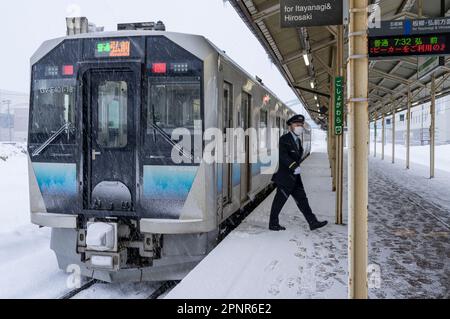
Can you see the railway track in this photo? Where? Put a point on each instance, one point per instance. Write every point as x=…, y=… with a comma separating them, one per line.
x=163, y=288
x=229, y=225
x=76, y=291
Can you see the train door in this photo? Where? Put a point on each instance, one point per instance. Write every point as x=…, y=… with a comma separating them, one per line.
x=110, y=140
x=245, y=167
x=227, y=167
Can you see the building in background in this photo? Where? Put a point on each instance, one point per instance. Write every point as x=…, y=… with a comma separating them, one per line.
x=13, y=116
x=420, y=124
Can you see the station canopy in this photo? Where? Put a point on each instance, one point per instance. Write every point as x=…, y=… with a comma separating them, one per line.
x=389, y=79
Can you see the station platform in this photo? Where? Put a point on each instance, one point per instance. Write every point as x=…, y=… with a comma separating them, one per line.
x=409, y=247
x=409, y=230
x=253, y=262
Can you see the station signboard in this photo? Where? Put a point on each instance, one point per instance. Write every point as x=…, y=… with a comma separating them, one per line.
x=421, y=37
x=309, y=13
x=338, y=105
x=411, y=27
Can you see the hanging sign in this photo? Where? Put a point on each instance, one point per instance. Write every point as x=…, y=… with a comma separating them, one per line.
x=309, y=13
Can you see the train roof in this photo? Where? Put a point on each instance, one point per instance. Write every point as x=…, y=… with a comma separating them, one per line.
x=196, y=44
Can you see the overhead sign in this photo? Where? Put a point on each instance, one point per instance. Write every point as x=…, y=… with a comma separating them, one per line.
x=309, y=13
x=411, y=27
x=338, y=105
x=414, y=45
x=426, y=65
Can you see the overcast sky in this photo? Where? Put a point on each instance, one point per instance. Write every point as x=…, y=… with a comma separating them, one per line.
x=25, y=24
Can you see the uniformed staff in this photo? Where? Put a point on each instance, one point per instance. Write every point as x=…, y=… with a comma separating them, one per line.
x=288, y=179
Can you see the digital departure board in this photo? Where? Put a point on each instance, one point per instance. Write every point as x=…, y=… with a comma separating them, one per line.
x=112, y=49
x=416, y=45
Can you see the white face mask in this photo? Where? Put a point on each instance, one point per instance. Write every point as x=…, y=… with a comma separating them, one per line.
x=299, y=131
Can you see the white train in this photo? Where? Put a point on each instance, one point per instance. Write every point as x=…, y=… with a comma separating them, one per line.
x=103, y=109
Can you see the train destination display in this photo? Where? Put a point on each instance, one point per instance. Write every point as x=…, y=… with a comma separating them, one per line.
x=112, y=49
x=417, y=45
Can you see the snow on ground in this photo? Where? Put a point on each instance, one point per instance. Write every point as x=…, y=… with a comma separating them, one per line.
x=408, y=230
x=118, y=291
x=253, y=262
x=408, y=239
x=13, y=180
x=28, y=266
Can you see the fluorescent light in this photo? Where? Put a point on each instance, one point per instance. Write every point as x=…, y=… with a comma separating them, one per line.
x=306, y=58
x=312, y=85
x=315, y=97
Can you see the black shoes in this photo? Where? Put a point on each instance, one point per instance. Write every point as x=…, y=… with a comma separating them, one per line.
x=312, y=226
x=317, y=225
x=276, y=227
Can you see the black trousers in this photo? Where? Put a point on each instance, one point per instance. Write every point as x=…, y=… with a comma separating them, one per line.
x=299, y=195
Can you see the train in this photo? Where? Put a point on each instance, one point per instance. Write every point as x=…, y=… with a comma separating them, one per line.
x=103, y=110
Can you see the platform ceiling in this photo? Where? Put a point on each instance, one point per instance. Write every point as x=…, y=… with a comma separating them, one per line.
x=388, y=79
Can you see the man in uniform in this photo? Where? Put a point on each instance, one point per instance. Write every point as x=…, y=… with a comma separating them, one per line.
x=288, y=179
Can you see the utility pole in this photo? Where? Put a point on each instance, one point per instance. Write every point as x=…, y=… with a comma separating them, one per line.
x=394, y=113
x=408, y=129
x=340, y=138
x=358, y=79
x=432, y=125
x=8, y=105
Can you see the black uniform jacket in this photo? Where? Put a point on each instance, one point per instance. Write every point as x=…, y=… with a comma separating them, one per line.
x=289, y=159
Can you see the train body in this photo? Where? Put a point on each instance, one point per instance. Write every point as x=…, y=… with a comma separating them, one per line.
x=102, y=114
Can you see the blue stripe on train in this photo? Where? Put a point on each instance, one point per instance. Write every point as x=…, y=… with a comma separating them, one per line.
x=236, y=174
x=56, y=178
x=168, y=182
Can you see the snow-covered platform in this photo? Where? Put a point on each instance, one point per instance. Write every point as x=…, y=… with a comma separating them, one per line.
x=253, y=262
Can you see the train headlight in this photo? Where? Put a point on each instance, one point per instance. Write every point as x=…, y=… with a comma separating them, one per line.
x=102, y=262
x=101, y=237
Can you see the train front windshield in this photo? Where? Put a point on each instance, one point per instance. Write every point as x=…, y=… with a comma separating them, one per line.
x=53, y=109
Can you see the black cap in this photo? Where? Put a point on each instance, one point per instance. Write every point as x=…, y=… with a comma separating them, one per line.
x=296, y=119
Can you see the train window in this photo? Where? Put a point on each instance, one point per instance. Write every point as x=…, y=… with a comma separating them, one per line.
x=263, y=125
x=227, y=106
x=53, y=112
x=245, y=110
x=173, y=103
x=279, y=126
x=112, y=114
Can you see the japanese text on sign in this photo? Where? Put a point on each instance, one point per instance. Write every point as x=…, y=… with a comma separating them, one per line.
x=113, y=49
x=408, y=45
x=338, y=105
